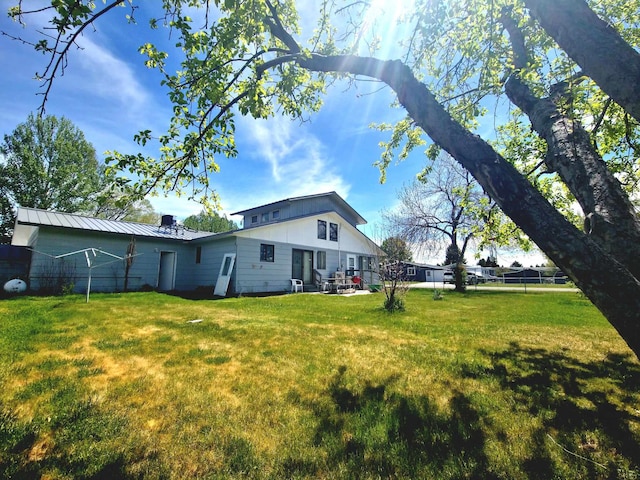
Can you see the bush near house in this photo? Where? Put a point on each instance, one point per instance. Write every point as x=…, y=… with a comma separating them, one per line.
x=479, y=385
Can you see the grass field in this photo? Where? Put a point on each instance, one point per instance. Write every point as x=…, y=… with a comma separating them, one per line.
x=482, y=385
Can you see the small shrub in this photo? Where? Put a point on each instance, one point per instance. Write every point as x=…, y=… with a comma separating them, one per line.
x=56, y=276
x=393, y=286
x=394, y=304
x=67, y=289
x=437, y=294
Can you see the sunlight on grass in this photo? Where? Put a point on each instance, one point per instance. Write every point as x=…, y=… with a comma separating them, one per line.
x=485, y=385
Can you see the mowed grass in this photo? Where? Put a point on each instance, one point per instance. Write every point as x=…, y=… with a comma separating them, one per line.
x=481, y=385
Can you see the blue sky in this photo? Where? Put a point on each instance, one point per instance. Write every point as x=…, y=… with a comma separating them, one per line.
x=109, y=94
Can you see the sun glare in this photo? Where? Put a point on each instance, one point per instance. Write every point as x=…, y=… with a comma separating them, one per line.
x=382, y=25
x=392, y=10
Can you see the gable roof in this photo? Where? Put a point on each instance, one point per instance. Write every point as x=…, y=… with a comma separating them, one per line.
x=334, y=196
x=28, y=218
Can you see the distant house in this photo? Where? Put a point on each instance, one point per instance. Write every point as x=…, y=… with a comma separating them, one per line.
x=524, y=275
x=422, y=272
x=304, y=238
x=536, y=275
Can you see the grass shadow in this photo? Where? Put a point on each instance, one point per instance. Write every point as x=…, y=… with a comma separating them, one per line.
x=587, y=408
x=371, y=432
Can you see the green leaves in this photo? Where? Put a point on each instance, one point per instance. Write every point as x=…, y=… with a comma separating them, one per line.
x=405, y=137
x=224, y=70
x=50, y=165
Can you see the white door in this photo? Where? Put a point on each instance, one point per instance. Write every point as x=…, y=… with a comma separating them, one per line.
x=352, y=269
x=167, y=273
x=225, y=274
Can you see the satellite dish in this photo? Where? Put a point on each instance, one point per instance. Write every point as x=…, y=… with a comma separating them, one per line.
x=15, y=286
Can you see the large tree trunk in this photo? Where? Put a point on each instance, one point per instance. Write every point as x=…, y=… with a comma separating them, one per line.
x=610, y=217
x=594, y=45
x=607, y=283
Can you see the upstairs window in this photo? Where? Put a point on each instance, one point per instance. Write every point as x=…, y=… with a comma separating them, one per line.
x=254, y=219
x=266, y=252
x=265, y=217
x=275, y=214
x=198, y=254
x=322, y=230
x=333, y=232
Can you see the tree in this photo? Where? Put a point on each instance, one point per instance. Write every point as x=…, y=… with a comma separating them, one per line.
x=49, y=165
x=396, y=249
x=568, y=69
x=113, y=204
x=487, y=262
x=6, y=210
x=213, y=222
x=446, y=208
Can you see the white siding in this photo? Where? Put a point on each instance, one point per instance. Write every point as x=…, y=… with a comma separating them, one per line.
x=305, y=232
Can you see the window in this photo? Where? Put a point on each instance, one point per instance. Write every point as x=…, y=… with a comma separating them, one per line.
x=366, y=263
x=411, y=271
x=322, y=230
x=276, y=214
x=333, y=232
x=321, y=260
x=265, y=217
x=254, y=219
x=198, y=254
x=266, y=252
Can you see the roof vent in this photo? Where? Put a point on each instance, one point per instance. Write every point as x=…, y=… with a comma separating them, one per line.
x=167, y=221
x=169, y=225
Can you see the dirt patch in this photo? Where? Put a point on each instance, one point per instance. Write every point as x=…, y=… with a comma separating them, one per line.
x=40, y=449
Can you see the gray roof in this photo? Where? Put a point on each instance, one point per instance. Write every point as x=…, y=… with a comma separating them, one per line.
x=36, y=217
x=359, y=219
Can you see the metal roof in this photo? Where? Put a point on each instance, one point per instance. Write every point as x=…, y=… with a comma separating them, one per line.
x=36, y=217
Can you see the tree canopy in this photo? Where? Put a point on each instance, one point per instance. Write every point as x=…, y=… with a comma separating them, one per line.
x=396, y=249
x=565, y=72
x=49, y=165
x=116, y=205
x=212, y=222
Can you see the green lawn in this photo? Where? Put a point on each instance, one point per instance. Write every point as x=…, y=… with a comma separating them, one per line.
x=483, y=385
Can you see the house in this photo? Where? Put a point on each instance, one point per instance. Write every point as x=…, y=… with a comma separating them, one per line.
x=523, y=275
x=422, y=272
x=307, y=238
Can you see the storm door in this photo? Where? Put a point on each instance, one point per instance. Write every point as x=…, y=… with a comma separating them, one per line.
x=302, y=265
x=222, y=284
x=167, y=271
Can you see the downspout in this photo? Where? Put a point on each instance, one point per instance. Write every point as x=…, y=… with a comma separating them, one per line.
x=339, y=252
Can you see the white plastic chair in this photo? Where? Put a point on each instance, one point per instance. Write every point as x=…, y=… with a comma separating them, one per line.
x=296, y=284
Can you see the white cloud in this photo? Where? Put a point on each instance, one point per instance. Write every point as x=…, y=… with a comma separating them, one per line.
x=180, y=207
x=289, y=161
x=107, y=76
